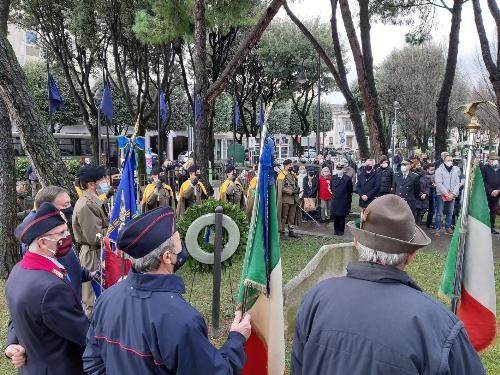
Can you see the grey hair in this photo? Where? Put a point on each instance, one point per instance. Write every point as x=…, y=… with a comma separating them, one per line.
x=369, y=255
x=151, y=262
x=48, y=194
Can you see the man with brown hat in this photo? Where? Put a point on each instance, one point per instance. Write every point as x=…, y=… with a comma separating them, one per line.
x=376, y=320
x=491, y=177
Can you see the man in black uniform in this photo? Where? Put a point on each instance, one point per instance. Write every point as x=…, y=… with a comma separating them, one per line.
x=47, y=320
x=491, y=177
x=406, y=184
x=143, y=325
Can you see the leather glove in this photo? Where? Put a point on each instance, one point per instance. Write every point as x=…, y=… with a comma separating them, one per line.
x=195, y=180
x=110, y=193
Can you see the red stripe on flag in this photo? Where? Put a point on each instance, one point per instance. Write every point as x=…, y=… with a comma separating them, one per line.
x=256, y=353
x=480, y=322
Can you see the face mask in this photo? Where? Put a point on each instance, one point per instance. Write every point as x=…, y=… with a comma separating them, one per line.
x=404, y=168
x=290, y=169
x=385, y=165
x=340, y=173
x=494, y=163
x=68, y=212
x=311, y=174
x=181, y=257
x=103, y=188
x=63, y=246
x=449, y=163
x=302, y=172
x=431, y=172
x=368, y=168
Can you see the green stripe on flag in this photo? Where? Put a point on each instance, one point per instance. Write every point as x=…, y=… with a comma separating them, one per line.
x=478, y=209
x=254, y=266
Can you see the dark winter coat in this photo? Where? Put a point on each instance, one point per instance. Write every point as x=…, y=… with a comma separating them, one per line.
x=425, y=188
x=342, y=195
x=376, y=321
x=491, y=180
x=386, y=176
x=46, y=319
x=408, y=189
x=143, y=325
x=369, y=185
x=311, y=192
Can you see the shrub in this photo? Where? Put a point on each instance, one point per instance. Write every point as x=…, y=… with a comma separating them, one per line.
x=21, y=167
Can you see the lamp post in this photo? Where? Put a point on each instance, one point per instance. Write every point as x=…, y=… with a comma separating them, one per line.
x=319, y=107
x=98, y=98
x=394, y=131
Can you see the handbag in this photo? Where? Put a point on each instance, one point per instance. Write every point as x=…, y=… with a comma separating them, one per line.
x=309, y=204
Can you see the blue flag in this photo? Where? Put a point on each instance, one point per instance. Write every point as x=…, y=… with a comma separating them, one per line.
x=236, y=115
x=107, y=102
x=261, y=116
x=163, y=108
x=55, y=100
x=125, y=207
x=197, y=108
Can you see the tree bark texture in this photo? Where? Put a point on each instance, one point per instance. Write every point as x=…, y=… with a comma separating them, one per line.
x=9, y=248
x=370, y=104
x=340, y=81
x=492, y=67
x=36, y=139
x=4, y=15
x=443, y=101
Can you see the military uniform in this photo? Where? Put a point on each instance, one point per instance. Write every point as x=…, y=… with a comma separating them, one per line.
x=189, y=195
x=157, y=332
x=154, y=197
x=288, y=199
x=89, y=219
x=46, y=316
x=232, y=192
x=251, y=197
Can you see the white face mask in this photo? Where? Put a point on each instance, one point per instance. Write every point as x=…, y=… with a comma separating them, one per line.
x=404, y=168
x=494, y=163
x=448, y=163
x=385, y=165
x=340, y=173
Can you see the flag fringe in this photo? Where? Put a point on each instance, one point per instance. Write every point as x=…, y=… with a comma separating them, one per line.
x=257, y=286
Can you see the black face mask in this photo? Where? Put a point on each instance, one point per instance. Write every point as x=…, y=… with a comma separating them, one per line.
x=368, y=168
x=311, y=174
x=181, y=257
x=290, y=169
x=68, y=212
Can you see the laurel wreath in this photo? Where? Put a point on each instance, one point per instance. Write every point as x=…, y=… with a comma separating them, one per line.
x=207, y=207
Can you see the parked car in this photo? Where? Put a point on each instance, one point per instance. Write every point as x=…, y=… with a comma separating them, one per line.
x=184, y=156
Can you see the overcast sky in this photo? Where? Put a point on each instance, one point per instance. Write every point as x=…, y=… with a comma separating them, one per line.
x=385, y=38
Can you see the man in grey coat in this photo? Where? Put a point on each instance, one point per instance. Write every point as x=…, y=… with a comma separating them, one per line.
x=447, y=190
x=376, y=320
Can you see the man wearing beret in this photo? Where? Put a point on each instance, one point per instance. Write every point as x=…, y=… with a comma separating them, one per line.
x=376, y=320
x=50, y=325
x=287, y=199
x=143, y=325
x=157, y=193
x=89, y=220
x=232, y=190
x=192, y=191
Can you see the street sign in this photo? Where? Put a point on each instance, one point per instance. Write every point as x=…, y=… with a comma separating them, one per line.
x=394, y=129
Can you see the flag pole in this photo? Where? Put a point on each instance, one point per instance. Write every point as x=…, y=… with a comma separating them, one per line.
x=251, y=233
x=472, y=129
x=48, y=97
x=158, y=116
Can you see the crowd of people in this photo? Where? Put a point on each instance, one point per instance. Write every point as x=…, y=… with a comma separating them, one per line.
x=58, y=327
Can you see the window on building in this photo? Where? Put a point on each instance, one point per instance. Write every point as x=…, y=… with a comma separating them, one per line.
x=31, y=37
x=18, y=148
x=347, y=125
x=66, y=146
x=330, y=140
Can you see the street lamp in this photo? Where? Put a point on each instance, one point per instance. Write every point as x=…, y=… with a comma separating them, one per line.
x=97, y=99
x=394, y=131
x=319, y=108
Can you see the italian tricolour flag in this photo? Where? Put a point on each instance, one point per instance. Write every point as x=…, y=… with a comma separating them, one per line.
x=262, y=279
x=477, y=307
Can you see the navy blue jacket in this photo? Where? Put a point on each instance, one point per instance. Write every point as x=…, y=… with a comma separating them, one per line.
x=310, y=192
x=408, y=189
x=77, y=274
x=143, y=325
x=342, y=195
x=376, y=321
x=369, y=185
x=49, y=322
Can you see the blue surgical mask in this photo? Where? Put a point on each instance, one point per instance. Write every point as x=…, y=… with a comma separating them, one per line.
x=103, y=188
x=181, y=257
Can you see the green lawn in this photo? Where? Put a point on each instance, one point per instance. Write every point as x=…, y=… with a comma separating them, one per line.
x=426, y=270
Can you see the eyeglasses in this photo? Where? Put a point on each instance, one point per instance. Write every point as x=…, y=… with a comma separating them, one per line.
x=64, y=233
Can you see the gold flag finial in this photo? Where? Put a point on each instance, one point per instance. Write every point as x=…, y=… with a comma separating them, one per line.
x=471, y=109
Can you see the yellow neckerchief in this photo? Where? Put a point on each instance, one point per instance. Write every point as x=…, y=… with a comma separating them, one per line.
x=224, y=186
x=282, y=175
x=78, y=191
x=186, y=184
x=150, y=189
x=251, y=185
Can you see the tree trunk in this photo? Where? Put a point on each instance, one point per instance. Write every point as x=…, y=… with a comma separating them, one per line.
x=449, y=76
x=9, y=248
x=492, y=68
x=375, y=128
x=36, y=139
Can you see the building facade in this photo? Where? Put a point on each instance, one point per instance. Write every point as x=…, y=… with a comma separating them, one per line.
x=24, y=43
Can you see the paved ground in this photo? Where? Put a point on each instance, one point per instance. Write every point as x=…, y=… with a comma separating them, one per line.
x=438, y=243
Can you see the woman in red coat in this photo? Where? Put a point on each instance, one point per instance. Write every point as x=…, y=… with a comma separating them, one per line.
x=325, y=194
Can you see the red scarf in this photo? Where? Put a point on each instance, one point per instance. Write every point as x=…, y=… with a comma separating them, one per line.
x=32, y=261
